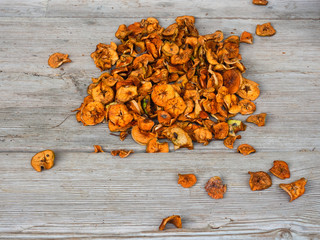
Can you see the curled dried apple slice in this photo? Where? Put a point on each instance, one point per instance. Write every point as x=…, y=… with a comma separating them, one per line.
x=295, y=189
x=246, y=149
x=57, y=59
x=141, y=137
x=232, y=80
x=174, y=219
x=153, y=146
x=187, y=180
x=246, y=37
x=215, y=188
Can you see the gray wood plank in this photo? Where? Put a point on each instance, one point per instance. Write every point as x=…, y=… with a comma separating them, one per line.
x=37, y=98
x=294, y=48
x=285, y=9
x=29, y=8
x=100, y=196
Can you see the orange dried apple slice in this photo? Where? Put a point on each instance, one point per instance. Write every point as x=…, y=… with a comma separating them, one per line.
x=187, y=180
x=295, y=189
x=246, y=37
x=280, y=169
x=57, y=59
x=174, y=219
x=43, y=159
x=215, y=188
x=232, y=80
x=93, y=113
x=162, y=93
x=246, y=149
x=265, y=30
x=141, y=137
x=259, y=181
x=258, y=119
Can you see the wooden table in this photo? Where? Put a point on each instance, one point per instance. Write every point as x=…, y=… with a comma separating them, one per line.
x=97, y=196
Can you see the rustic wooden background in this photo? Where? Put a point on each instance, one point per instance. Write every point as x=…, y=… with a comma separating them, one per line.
x=98, y=196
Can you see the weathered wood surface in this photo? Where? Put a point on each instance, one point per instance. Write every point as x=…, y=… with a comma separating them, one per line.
x=38, y=98
x=99, y=196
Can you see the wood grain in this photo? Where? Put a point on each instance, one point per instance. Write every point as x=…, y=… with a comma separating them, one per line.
x=87, y=193
x=30, y=8
x=40, y=99
x=97, y=196
x=208, y=9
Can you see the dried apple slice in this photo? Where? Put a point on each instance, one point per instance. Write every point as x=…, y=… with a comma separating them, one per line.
x=179, y=137
x=162, y=93
x=57, y=59
x=119, y=115
x=43, y=159
x=280, y=169
x=221, y=130
x=246, y=149
x=126, y=93
x=141, y=137
x=295, y=189
x=246, y=37
x=232, y=80
x=215, y=188
x=93, y=113
x=153, y=146
x=247, y=107
x=249, y=90
x=187, y=180
x=174, y=219
x=260, y=2
x=258, y=119
x=259, y=181
x=265, y=30
x=229, y=141
x=170, y=49
x=145, y=124
x=175, y=106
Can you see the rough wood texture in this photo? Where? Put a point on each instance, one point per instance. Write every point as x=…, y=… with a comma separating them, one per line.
x=98, y=194
x=294, y=9
x=39, y=98
x=102, y=197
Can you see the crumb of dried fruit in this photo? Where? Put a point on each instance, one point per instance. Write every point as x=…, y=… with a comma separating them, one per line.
x=215, y=188
x=260, y=2
x=246, y=149
x=57, y=59
x=295, y=189
x=265, y=30
x=187, y=180
x=43, y=159
x=97, y=148
x=280, y=169
x=259, y=181
x=258, y=119
x=174, y=219
x=122, y=153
